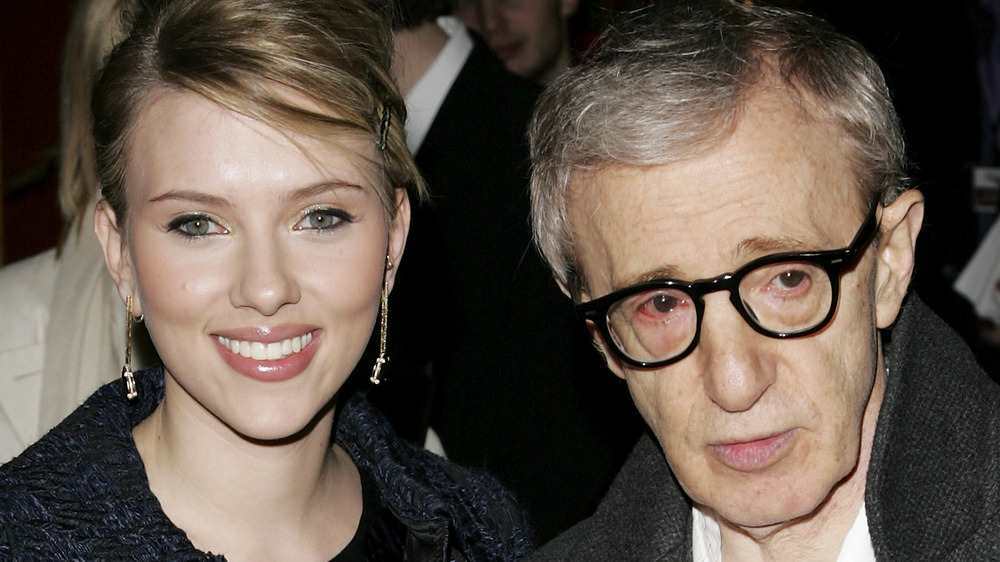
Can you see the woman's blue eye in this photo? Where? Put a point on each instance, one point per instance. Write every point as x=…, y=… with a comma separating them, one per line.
x=195, y=225
x=323, y=219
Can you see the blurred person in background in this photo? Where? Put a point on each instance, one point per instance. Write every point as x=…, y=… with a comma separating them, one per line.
x=62, y=333
x=531, y=37
x=484, y=340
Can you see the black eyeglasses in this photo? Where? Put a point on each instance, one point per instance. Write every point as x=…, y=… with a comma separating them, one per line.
x=786, y=295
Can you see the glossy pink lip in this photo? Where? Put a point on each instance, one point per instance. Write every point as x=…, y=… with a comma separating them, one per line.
x=756, y=454
x=269, y=371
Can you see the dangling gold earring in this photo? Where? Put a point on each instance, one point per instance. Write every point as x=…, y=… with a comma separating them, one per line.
x=130, y=389
x=382, y=358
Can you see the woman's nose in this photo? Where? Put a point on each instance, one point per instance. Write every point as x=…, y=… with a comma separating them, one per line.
x=265, y=281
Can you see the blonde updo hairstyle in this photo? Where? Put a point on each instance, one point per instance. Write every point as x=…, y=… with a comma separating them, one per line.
x=246, y=56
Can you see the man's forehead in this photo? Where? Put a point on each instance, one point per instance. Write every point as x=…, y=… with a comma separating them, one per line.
x=780, y=182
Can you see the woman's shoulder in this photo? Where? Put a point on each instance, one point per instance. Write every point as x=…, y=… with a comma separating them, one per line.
x=78, y=458
x=420, y=487
x=81, y=492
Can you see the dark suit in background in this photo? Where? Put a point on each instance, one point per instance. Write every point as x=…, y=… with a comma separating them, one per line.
x=478, y=327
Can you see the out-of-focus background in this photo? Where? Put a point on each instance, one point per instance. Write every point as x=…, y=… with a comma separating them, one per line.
x=939, y=60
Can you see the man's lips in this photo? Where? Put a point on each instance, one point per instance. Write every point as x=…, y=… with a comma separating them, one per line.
x=507, y=51
x=753, y=454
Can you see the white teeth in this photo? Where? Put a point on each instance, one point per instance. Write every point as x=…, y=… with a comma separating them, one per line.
x=260, y=351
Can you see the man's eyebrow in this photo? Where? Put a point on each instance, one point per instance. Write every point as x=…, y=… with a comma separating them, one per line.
x=746, y=250
x=752, y=248
x=658, y=274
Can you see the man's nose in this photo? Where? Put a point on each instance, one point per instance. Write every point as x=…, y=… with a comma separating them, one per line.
x=491, y=16
x=265, y=281
x=735, y=369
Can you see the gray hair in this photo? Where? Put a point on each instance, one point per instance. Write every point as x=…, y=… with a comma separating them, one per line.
x=671, y=81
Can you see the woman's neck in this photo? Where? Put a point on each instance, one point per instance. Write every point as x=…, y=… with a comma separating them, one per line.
x=298, y=499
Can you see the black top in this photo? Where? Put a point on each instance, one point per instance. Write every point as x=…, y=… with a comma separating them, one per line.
x=355, y=551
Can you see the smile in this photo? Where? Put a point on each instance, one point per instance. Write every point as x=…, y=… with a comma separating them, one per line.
x=266, y=351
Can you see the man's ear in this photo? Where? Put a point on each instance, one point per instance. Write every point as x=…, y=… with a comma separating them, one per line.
x=564, y=288
x=398, y=230
x=899, y=224
x=610, y=359
x=116, y=253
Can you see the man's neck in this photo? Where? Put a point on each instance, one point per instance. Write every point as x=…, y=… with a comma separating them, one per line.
x=414, y=51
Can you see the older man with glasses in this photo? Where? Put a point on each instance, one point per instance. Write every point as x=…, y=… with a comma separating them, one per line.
x=721, y=190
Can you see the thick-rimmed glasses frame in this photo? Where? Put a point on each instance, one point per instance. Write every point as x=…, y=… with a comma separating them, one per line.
x=833, y=262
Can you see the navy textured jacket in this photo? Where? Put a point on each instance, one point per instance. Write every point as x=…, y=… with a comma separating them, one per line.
x=933, y=489
x=80, y=492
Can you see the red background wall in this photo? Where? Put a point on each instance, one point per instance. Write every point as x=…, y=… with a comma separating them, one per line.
x=31, y=41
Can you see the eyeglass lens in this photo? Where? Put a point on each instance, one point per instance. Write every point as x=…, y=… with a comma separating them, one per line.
x=780, y=298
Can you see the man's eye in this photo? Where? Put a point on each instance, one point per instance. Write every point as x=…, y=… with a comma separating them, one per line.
x=322, y=219
x=791, y=279
x=659, y=305
x=663, y=303
x=195, y=225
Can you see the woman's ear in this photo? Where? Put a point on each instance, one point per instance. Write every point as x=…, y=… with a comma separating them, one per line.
x=398, y=229
x=899, y=224
x=116, y=253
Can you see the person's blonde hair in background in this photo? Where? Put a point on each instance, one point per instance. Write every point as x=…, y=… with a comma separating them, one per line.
x=62, y=334
x=96, y=27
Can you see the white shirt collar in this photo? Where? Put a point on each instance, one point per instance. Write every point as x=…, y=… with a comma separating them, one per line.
x=425, y=98
x=706, y=539
x=858, y=542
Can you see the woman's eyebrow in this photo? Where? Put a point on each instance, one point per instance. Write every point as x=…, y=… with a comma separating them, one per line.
x=192, y=196
x=321, y=188
x=216, y=201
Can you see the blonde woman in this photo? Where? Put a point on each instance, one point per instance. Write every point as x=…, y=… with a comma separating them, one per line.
x=254, y=215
